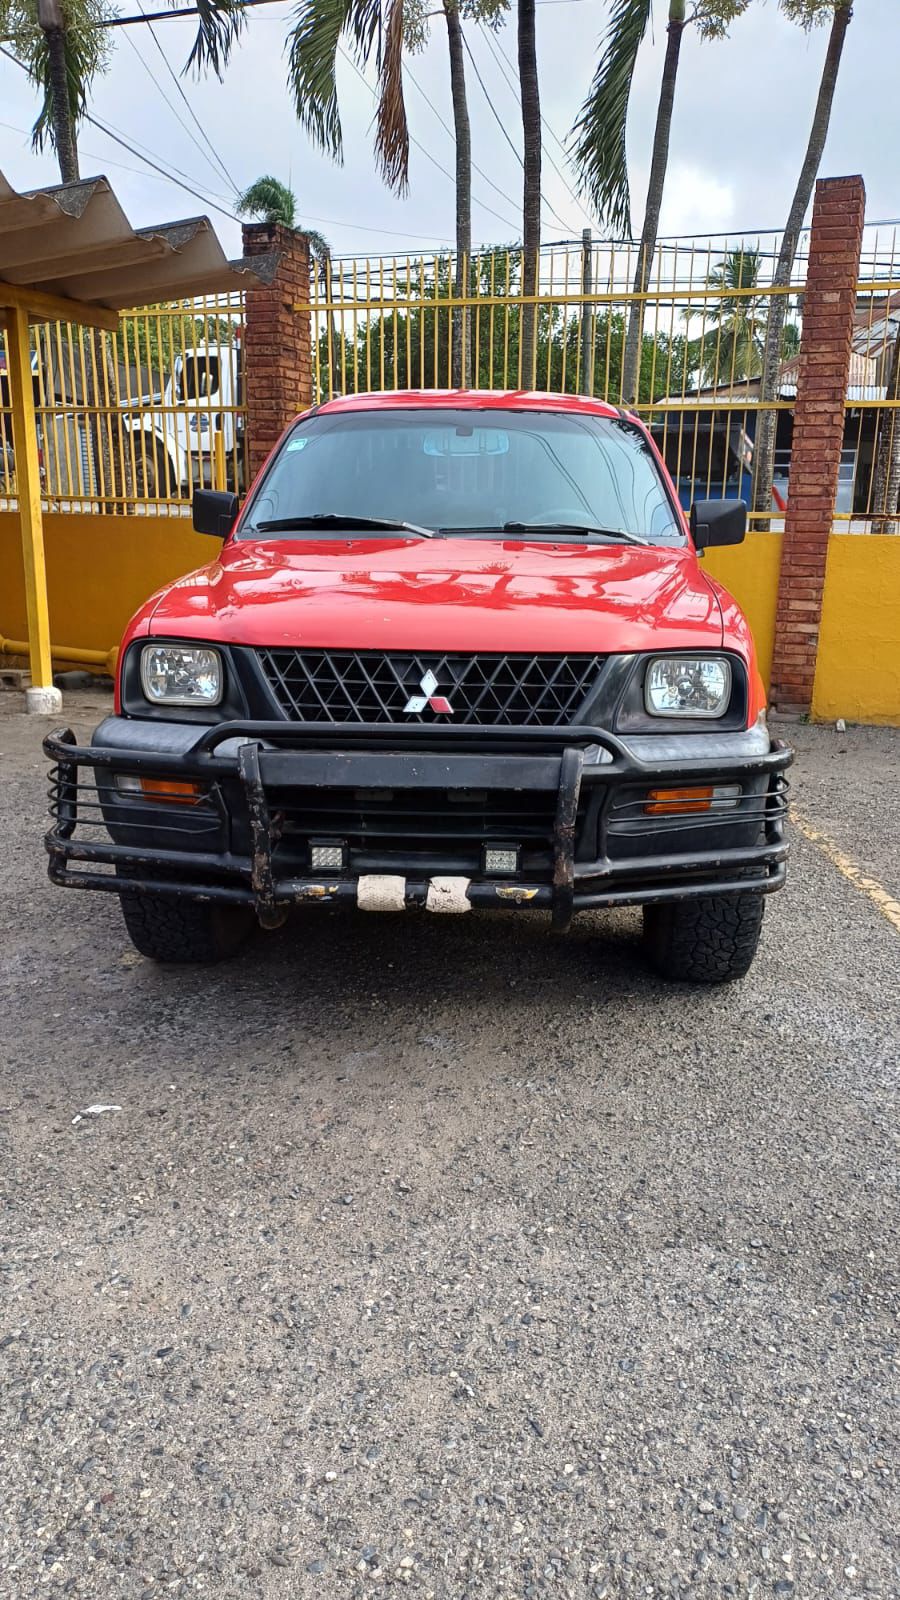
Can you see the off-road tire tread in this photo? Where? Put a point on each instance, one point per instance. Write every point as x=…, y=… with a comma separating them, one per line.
x=712, y=939
x=183, y=932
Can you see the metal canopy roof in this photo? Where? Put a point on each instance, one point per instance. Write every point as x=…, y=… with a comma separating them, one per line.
x=74, y=241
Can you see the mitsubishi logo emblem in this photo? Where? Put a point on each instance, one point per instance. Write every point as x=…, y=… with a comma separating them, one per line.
x=438, y=702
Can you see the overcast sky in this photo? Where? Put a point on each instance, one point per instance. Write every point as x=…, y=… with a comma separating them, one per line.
x=741, y=122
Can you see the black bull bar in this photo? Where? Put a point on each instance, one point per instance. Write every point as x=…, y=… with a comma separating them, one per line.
x=275, y=754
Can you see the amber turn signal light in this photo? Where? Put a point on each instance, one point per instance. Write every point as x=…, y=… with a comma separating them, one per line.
x=170, y=789
x=662, y=802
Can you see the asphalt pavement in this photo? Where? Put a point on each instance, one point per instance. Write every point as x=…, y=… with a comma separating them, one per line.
x=444, y=1256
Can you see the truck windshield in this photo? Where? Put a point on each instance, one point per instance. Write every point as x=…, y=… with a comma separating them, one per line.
x=465, y=473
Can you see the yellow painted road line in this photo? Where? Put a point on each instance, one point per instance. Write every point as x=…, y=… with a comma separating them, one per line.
x=886, y=904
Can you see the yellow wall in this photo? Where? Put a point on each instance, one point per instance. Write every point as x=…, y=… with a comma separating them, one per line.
x=99, y=570
x=749, y=571
x=858, y=667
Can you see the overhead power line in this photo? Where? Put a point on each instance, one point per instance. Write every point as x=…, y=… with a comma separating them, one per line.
x=508, y=71
x=447, y=129
x=194, y=187
x=194, y=11
x=174, y=109
x=190, y=110
x=499, y=121
x=419, y=146
x=188, y=188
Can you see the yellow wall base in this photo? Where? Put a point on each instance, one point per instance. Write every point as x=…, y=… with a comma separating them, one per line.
x=99, y=571
x=749, y=571
x=858, y=666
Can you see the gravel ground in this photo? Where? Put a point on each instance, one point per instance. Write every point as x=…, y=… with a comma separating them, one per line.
x=440, y=1255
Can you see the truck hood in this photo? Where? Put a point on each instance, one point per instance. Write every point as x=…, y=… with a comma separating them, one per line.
x=445, y=594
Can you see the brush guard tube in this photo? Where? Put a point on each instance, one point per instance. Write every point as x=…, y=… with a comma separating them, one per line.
x=559, y=762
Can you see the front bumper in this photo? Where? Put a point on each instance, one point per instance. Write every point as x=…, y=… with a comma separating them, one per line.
x=245, y=841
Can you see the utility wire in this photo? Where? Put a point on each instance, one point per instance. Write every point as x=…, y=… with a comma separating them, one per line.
x=93, y=155
x=174, y=109
x=192, y=185
x=447, y=129
x=508, y=71
x=193, y=188
x=419, y=146
x=190, y=110
x=193, y=11
x=197, y=193
x=499, y=120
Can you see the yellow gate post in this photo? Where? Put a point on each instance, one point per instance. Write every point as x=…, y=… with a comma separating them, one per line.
x=42, y=696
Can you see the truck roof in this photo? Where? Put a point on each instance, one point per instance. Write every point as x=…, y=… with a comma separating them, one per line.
x=471, y=400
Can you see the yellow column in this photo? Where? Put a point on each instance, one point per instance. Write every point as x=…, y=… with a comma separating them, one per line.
x=28, y=488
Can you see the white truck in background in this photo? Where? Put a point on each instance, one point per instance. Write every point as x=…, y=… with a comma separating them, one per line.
x=193, y=436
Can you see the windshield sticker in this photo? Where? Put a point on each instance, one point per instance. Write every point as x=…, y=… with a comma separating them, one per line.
x=296, y=444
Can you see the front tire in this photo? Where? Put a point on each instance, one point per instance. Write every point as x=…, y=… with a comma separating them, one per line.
x=710, y=939
x=184, y=932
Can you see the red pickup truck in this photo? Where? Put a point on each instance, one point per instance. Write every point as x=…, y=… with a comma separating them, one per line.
x=456, y=652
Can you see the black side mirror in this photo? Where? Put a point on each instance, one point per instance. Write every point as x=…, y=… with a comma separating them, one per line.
x=214, y=512
x=718, y=522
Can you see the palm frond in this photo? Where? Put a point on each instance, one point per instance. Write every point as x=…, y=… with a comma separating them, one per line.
x=312, y=47
x=392, y=132
x=319, y=248
x=219, y=25
x=269, y=200
x=599, y=155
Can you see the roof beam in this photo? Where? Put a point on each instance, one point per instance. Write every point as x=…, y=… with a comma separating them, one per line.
x=42, y=307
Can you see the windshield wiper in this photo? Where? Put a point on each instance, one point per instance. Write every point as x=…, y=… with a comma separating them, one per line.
x=334, y=519
x=617, y=534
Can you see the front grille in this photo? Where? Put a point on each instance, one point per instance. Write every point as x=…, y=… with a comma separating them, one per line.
x=482, y=690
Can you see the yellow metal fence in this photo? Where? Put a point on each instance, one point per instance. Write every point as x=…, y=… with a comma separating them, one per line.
x=134, y=420
x=424, y=322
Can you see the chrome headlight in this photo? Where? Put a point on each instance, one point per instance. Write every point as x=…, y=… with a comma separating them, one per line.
x=181, y=674
x=687, y=686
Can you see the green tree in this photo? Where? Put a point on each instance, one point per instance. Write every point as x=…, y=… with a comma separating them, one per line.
x=599, y=133
x=808, y=13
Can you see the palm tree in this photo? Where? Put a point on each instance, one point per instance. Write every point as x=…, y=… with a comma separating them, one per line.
x=64, y=45
x=372, y=29
x=455, y=12
x=599, y=153
x=402, y=24
x=63, y=49
x=732, y=349
x=529, y=93
x=271, y=201
x=807, y=13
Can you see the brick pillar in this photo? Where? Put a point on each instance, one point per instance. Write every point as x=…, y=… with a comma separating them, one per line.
x=829, y=304
x=277, y=359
